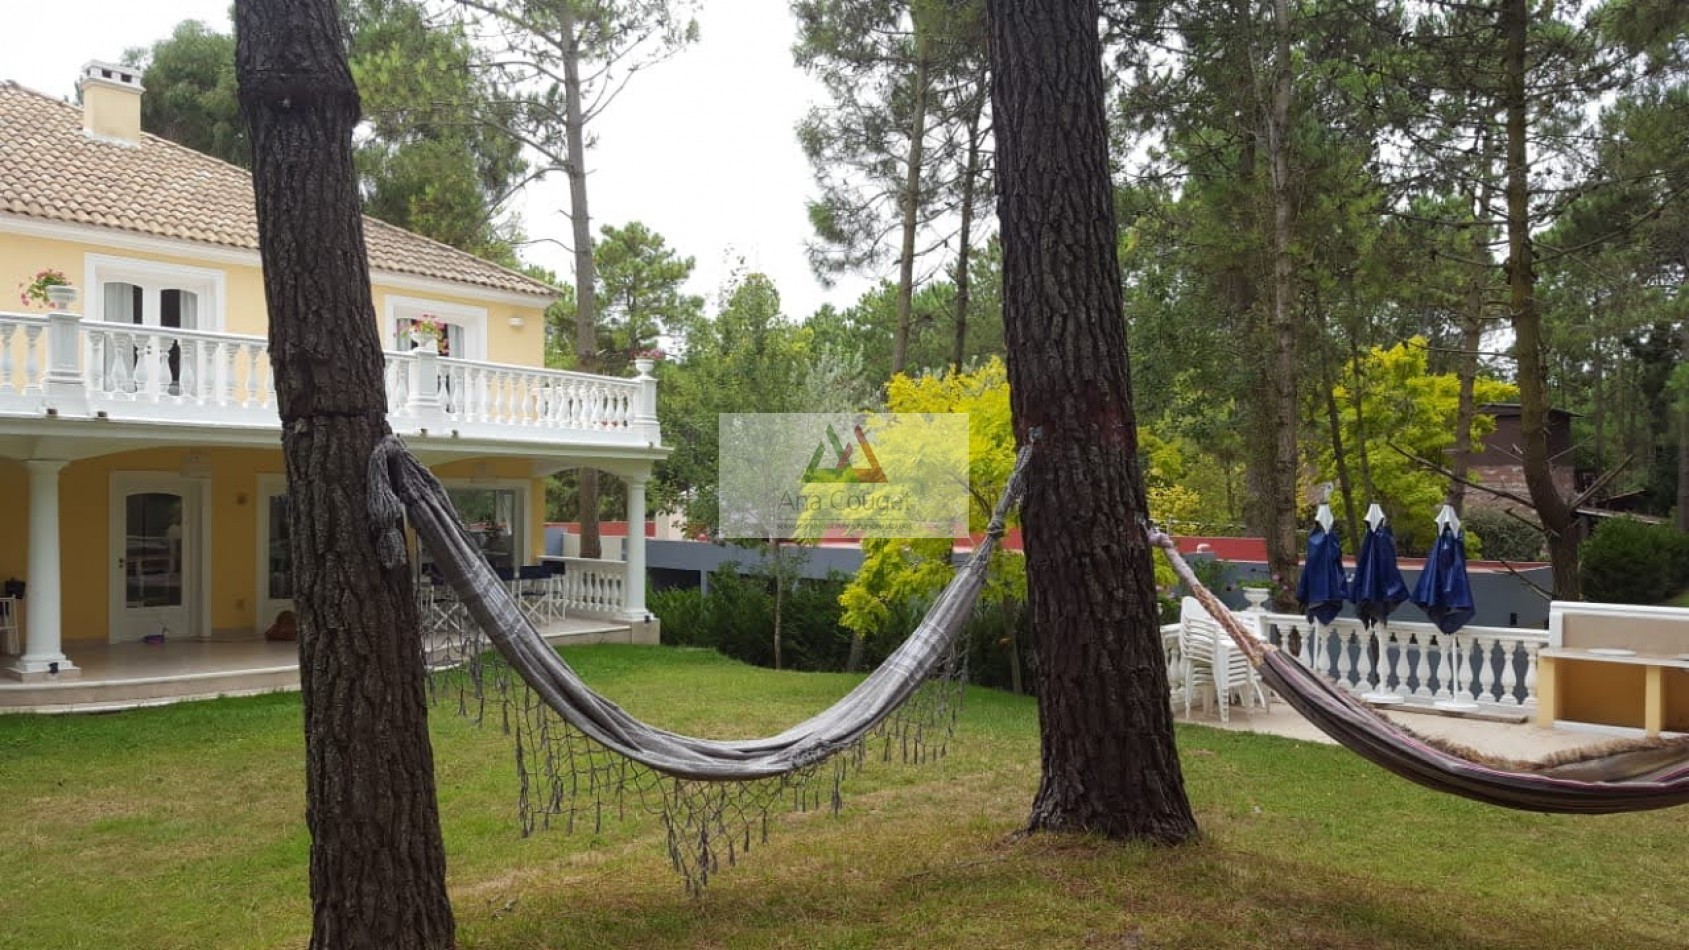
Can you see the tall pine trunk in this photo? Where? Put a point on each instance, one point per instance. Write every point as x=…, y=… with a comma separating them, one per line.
x=1471, y=337
x=1281, y=536
x=378, y=867
x=964, y=238
x=586, y=274
x=911, y=203
x=1558, y=519
x=1109, y=762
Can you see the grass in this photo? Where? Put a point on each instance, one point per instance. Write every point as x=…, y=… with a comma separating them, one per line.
x=182, y=827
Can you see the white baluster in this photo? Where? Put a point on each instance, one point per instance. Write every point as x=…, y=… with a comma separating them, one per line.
x=7, y=383
x=1509, y=676
x=99, y=362
x=1345, y=661
x=1447, y=668
x=1419, y=665
x=1485, y=677
x=252, y=353
x=121, y=356
x=1399, y=666
x=228, y=373
x=31, y=366
x=1531, y=648
x=155, y=369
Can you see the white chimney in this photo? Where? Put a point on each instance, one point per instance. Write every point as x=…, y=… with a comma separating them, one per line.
x=111, y=101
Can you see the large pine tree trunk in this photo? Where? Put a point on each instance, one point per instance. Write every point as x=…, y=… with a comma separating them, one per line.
x=1556, y=515
x=378, y=867
x=586, y=274
x=1109, y=762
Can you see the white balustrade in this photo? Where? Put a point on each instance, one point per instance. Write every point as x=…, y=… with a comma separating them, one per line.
x=21, y=337
x=128, y=372
x=593, y=587
x=216, y=376
x=1492, y=666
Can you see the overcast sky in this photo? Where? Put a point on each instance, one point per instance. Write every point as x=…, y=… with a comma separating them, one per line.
x=700, y=148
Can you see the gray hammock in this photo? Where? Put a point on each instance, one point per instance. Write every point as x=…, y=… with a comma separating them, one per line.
x=1617, y=777
x=584, y=748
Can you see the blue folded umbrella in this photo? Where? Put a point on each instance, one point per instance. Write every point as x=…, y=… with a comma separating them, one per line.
x=1444, y=592
x=1378, y=587
x=1322, y=588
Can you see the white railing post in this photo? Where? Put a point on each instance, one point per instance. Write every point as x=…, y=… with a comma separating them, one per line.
x=645, y=406
x=64, y=387
x=423, y=406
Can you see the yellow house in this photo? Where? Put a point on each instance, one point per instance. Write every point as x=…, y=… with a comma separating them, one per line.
x=141, y=486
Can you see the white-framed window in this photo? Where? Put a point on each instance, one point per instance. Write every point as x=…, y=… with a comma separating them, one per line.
x=466, y=327
x=153, y=294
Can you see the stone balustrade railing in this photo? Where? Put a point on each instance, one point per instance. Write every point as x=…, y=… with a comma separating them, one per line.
x=1493, y=667
x=61, y=365
x=1475, y=667
x=594, y=588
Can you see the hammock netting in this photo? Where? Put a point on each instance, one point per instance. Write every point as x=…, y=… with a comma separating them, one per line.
x=582, y=759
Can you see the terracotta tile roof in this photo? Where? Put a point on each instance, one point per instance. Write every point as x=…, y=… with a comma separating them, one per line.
x=50, y=170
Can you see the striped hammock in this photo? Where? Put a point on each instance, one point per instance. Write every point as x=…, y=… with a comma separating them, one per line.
x=580, y=754
x=1616, y=777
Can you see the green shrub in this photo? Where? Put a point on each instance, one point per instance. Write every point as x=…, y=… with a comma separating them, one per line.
x=1628, y=562
x=1505, y=538
x=736, y=618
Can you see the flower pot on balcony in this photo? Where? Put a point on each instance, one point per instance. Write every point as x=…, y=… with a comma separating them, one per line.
x=61, y=296
x=427, y=342
x=1257, y=597
x=643, y=366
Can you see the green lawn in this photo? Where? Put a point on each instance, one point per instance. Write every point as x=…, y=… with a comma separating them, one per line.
x=182, y=827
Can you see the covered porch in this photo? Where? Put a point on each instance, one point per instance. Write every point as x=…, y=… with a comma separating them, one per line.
x=188, y=547
x=115, y=676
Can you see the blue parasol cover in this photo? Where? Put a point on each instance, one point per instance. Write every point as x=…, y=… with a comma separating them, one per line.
x=1322, y=588
x=1378, y=587
x=1443, y=591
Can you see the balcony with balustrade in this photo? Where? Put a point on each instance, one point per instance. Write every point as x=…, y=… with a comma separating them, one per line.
x=59, y=372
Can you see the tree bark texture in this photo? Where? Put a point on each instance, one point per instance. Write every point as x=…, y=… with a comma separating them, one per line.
x=586, y=272
x=377, y=864
x=1557, y=517
x=1109, y=761
x=911, y=202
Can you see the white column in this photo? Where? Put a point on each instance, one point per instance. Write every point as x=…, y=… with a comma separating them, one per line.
x=633, y=596
x=43, y=598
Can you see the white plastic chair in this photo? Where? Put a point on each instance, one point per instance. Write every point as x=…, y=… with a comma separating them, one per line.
x=1212, y=665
